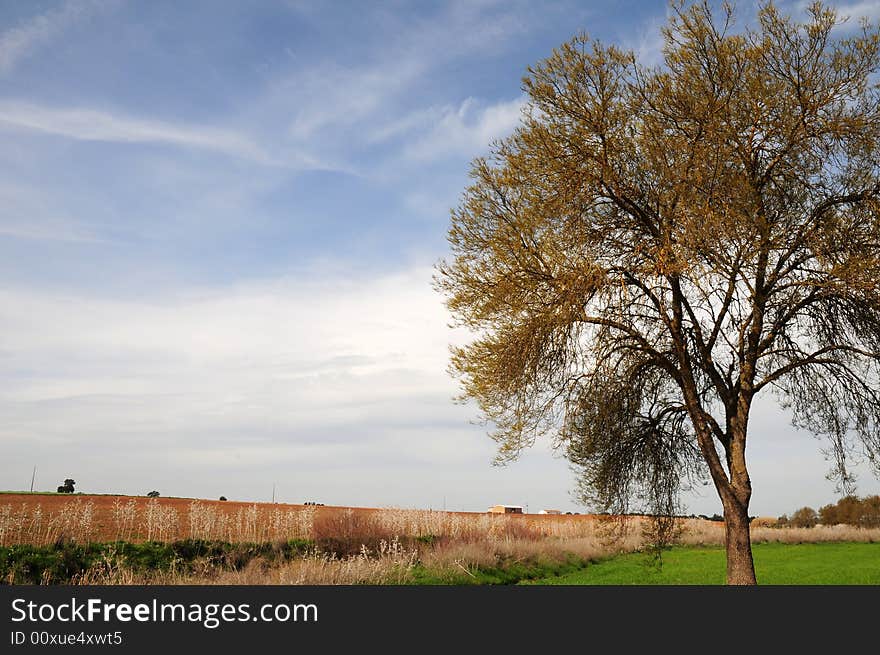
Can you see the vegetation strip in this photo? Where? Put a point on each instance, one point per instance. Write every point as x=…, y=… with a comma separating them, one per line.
x=776, y=564
x=65, y=562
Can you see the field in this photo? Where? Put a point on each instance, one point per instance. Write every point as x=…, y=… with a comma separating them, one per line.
x=775, y=564
x=85, y=539
x=41, y=519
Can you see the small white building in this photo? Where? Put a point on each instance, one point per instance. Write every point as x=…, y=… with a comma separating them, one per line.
x=550, y=511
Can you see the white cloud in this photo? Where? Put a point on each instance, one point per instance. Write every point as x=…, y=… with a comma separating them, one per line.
x=854, y=11
x=257, y=343
x=22, y=40
x=464, y=130
x=319, y=372
x=649, y=46
x=93, y=125
x=333, y=96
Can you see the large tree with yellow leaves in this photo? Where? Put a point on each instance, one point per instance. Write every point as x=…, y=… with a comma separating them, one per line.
x=654, y=246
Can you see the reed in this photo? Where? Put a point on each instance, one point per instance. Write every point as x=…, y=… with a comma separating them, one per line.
x=357, y=546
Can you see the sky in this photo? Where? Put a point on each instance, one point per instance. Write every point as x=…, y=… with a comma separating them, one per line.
x=218, y=228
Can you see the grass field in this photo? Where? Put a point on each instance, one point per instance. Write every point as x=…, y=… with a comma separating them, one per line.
x=775, y=564
x=96, y=539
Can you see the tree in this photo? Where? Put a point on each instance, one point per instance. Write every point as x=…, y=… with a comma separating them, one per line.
x=67, y=487
x=654, y=247
x=852, y=510
x=871, y=512
x=805, y=517
x=153, y=494
x=849, y=510
x=828, y=515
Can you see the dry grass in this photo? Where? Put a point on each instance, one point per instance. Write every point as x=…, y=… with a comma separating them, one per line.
x=353, y=546
x=697, y=532
x=28, y=524
x=85, y=519
x=40, y=520
x=391, y=563
x=486, y=542
x=819, y=533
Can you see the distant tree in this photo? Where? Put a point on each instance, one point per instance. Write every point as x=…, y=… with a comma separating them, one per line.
x=852, y=510
x=805, y=517
x=222, y=497
x=67, y=487
x=828, y=515
x=656, y=246
x=783, y=521
x=153, y=494
x=849, y=510
x=871, y=512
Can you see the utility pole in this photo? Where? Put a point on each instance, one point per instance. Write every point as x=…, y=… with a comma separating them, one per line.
x=273, y=493
x=32, y=479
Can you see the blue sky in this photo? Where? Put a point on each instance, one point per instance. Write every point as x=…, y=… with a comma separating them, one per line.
x=218, y=223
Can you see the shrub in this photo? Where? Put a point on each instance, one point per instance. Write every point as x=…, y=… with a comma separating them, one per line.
x=64, y=562
x=852, y=510
x=805, y=517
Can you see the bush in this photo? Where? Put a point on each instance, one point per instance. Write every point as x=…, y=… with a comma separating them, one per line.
x=153, y=494
x=222, y=497
x=61, y=562
x=67, y=487
x=852, y=510
x=805, y=517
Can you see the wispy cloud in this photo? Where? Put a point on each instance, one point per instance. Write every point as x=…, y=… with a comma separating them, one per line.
x=51, y=230
x=20, y=41
x=849, y=15
x=650, y=43
x=332, y=96
x=855, y=12
x=467, y=129
x=93, y=125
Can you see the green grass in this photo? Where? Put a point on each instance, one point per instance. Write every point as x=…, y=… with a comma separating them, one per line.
x=507, y=572
x=43, y=493
x=775, y=564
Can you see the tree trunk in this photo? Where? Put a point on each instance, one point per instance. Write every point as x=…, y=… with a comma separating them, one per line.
x=740, y=565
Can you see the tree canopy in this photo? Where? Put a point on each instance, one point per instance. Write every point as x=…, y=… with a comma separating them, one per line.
x=654, y=246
